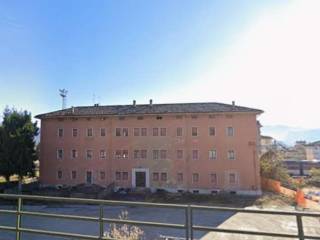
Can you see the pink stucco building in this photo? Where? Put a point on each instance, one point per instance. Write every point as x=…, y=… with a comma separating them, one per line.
x=200, y=147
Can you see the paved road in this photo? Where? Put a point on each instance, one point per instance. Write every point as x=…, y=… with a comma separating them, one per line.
x=135, y=213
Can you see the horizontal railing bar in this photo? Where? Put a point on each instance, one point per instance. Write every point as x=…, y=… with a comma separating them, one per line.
x=4, y=211
x=258, y=211
x=213, y=229
x=311, y=237
x=8, y=228
x=151, y=224
x=91, y=201
x=53, y=215
x=59, y=234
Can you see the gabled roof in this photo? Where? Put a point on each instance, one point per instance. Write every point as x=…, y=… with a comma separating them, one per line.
x=140, y=109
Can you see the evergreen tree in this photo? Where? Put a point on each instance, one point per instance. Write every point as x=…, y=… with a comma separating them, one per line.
x=17, y=144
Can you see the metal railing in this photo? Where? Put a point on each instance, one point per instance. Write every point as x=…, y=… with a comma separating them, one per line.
x=189, y=227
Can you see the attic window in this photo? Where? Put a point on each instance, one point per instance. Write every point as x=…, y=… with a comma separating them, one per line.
x=121, y=118
x=140, y=117
x=159, y=117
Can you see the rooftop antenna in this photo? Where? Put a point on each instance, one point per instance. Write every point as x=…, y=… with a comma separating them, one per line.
x=63, y=93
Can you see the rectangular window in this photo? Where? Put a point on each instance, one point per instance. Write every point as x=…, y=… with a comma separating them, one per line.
x=74, y=132
x=136, y=132
x=102, y=132
x=163, y=132
x=125, y=176
x=125, y=132
x=125, y=153
x=89, y=132
x=59, y=174
x=140, y=117
x=102, y=175
x=136, y=154
x=143, y=154
x=118, y=154
x=155, y=154
x=89, y=154
x=118, y=176
x=143, y=132
x=180, y=177
x=179, y=154
x=118, y=132
x=74, y=153
x=103, y=154
x=195, y=154
x=232, y=178
x=212, y=154
x=230, y=131
x=155, y=132
x=231, y=155
x=194, y=116
x=212, y=131
x=213, y=178
x=194, y=132
x=155, y=176
x=179, y=132
x=164, y=177
x=73, y=175
x=60, y=132
x=195, y=177
x=60, y=154
x=163, y=154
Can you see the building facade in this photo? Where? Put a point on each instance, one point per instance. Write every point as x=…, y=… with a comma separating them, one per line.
x=197, y=147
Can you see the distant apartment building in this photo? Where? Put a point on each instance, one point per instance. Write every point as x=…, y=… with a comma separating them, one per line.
x=313, y=151
x=197, y=147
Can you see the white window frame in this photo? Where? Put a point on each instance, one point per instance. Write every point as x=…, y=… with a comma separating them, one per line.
x=87, y=154
x=58, y=133
x=234, y=155
x=216, y=155
x=227, y=129
x=58, y=153
x=88, y=132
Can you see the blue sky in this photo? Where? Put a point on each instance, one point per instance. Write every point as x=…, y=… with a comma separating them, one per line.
x=170, y=51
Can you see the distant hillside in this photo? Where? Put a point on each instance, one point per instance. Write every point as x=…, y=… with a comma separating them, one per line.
x=289, y=134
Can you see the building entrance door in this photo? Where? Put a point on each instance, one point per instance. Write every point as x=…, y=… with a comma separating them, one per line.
x=140, y=179
x=89, y=177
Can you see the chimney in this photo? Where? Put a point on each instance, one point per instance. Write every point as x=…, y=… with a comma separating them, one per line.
x=96, y=105
x=72, y=109
x=233, y=103
x=150, y=102
x=134, y=103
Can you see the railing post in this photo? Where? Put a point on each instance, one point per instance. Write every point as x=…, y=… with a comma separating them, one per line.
x=187, y=222
x=18, y=221
x=300, y=227
x=191, y=222
x=101, y=227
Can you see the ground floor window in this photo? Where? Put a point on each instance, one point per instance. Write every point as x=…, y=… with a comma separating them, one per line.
x=155, y=176
x=180, y=177
x=59, y=174
x=195, y=177
x=164, y=177
x=73, y=175
x=102, y=175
